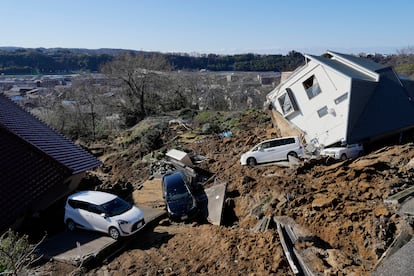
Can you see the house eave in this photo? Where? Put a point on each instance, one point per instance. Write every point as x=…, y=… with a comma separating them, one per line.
x=355, y=66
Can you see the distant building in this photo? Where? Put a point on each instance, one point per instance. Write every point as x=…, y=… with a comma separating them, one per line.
x=285, y=75
x=268, y=78
x=38, y=165
x=49, y=82
x=232, y=77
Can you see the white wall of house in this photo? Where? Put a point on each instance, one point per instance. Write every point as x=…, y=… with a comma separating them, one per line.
x=331, y=127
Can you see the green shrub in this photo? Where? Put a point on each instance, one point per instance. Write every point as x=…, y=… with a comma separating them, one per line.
x=204, y=117
x=16, y=253
x=405, y=69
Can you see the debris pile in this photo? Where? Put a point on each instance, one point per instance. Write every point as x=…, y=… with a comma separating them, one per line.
x=337, y=219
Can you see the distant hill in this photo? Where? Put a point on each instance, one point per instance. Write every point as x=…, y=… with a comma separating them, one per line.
x=17, y=60
x=101, y=51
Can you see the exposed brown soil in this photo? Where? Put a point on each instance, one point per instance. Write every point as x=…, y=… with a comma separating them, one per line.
x=341, y=205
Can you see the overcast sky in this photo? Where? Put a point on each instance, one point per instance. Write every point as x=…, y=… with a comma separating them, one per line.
x=210, y=26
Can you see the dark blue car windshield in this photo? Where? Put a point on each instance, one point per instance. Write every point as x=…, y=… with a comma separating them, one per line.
x=176, y=192
x=175, y=187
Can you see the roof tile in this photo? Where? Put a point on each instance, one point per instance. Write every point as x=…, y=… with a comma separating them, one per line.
x=25, y=126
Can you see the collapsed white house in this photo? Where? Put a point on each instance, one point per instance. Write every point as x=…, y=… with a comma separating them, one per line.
x=337, y=97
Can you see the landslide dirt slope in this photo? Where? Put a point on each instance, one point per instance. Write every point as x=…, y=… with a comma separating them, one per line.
x=341, y=205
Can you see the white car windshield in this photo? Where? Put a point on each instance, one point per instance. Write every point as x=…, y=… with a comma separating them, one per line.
x=256, y=148
x=116, y=207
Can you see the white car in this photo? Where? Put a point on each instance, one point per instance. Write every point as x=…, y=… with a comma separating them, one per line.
x=273, y=150
x=102, y=212
x=343, y=153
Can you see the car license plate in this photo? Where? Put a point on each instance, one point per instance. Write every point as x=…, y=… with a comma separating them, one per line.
x=184, y=217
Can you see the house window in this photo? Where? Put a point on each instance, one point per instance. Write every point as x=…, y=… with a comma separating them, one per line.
x=323, y=111
x=341, y=98
x=287, y=102
x=311, y=86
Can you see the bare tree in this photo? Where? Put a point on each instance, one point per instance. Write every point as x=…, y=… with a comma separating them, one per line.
x=406, y=51
x=76, y=111
x=85, y=96
x=140, y=75
x=179, y=93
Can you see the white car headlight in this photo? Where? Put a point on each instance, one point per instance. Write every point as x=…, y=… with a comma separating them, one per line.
x=121, y=222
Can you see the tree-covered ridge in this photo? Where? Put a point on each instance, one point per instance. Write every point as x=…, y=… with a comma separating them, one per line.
x=15, y=60
x=61, y=61
x=240, y=62
x=37, y=61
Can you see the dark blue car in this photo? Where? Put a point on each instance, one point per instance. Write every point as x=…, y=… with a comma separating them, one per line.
x=179, y=200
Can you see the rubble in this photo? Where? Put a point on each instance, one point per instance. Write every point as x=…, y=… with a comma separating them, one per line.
x=344, y=225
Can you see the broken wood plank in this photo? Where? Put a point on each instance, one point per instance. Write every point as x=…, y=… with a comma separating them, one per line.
x=288, y=251
x=288, y=239
x=402, y=238
x=305, y=268
x=400, y=196
x=262, y=225
x=292, y=236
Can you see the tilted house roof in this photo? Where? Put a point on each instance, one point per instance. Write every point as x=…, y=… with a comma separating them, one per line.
x=389, y=107
x=380, y=106
x=381, y=102
x=358, y=61
x=344, y=69
x=34, y=160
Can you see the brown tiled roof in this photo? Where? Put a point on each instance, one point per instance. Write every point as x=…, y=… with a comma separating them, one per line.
x=36, y=133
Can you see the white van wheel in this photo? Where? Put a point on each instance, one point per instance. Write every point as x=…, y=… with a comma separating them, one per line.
x=251, y=161
x=293, y=154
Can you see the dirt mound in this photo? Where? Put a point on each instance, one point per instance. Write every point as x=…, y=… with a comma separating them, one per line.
x=341, y=205
x=201, y=250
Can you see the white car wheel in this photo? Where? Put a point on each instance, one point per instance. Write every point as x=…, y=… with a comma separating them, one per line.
x=71, y=225
x=114, y=233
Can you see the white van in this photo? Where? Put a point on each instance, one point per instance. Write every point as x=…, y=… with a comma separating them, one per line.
x=273, y=150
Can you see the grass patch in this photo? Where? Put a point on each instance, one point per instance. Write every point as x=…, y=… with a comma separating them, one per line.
x=205, y=117
x=405, y=69
x=233, y=121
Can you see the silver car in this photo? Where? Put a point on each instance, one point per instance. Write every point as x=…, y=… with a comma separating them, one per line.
x=344, y=152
